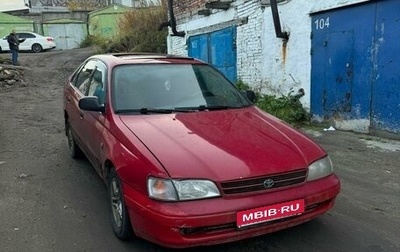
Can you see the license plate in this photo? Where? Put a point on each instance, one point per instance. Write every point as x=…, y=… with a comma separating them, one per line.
x=269, y=213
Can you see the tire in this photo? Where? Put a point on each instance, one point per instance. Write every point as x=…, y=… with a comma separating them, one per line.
x=37, y=48
x=119, y=216
x=74, y=149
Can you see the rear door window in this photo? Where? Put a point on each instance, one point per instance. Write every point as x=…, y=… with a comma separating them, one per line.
x=25, y=35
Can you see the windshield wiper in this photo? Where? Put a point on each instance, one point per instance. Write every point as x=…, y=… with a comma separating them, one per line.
x=206, y=107
x=145, y=111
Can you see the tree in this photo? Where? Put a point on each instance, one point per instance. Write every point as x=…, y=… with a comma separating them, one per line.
x=138, y=29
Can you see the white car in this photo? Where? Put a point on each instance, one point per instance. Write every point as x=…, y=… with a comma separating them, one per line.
x=32, y=42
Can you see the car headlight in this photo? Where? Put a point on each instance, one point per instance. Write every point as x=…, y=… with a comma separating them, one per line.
x=320, y=169
x=179, y=190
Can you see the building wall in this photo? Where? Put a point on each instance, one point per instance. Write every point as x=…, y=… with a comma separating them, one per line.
x=63, y=5
x=136, y=3
x=262, y=59
x=250, y=42
x=13, y=6
x=9, y=23
x=288, y=66
x=188, y=6
x=104, y=22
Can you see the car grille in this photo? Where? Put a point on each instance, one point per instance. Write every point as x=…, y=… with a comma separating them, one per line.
x=257, y=184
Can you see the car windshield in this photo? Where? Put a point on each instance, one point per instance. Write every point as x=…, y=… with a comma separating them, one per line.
x=167, y=88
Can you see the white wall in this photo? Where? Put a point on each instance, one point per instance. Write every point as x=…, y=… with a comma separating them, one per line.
x=262, y=59
x=137, y=3
x=292, y=70
x=14, y=5
x=249, y=42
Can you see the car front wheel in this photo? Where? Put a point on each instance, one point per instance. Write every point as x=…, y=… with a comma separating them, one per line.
x=37, y=48
x=119, y=215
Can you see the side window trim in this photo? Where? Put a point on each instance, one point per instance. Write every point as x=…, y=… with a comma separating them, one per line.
x=83, y=76
x=76, y=74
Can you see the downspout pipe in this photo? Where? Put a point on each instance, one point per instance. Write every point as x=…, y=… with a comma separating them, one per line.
x=172, y=21
x=277, y=22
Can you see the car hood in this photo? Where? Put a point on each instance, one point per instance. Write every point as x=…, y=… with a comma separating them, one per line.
x=223, y=145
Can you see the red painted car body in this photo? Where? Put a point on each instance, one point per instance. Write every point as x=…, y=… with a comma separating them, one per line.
x=239, y=150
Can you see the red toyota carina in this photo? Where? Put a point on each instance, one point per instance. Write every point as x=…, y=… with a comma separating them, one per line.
x=187, y=158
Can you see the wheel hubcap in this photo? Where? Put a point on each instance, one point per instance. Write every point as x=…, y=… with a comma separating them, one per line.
x=116, y=203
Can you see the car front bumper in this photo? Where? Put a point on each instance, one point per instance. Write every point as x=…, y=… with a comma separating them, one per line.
x=213, y=221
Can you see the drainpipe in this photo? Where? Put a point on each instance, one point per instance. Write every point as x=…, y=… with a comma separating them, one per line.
x=172, y=21
x=277, y=22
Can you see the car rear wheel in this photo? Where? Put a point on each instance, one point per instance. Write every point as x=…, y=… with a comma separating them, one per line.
x=37, y=48
x=120, y=222
x=74, y=149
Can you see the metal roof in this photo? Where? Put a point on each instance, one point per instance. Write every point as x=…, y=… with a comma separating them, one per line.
x=10, y=19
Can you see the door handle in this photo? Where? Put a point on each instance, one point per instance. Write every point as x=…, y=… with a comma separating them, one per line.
x=69, y=99
x=81, y=114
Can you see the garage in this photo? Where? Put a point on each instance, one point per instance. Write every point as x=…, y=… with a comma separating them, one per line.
x=217, y=48
x=355, y=72
x=67, y=33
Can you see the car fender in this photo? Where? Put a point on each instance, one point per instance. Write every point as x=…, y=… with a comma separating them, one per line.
x=130, y=157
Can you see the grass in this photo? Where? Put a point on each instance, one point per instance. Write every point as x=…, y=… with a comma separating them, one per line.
x=286, y=107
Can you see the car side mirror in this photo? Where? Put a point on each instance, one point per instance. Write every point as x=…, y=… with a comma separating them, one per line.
x=91, y=103
x=251, y=95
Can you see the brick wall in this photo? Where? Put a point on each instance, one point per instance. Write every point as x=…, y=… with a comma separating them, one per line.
x=249, y=38
x=186, y=6
x=249, y=42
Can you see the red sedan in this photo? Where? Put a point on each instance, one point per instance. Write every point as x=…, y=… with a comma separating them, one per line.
x=187, y=158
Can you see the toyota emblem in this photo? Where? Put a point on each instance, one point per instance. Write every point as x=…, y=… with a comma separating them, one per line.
x=268, y=183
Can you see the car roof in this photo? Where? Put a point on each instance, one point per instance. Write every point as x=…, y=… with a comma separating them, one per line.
x=144, y=58
x=27, y=32
x=30, y=32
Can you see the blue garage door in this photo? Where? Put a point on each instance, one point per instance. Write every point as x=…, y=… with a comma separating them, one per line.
x=386, y=85
x=218, y=49
x=339, y=78
x=355, y=65
x=198, y=47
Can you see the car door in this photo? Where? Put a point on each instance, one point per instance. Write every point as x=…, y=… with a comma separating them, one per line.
x=93, y=122
x=75, y=90
x=29, y=39
x=4, y=44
